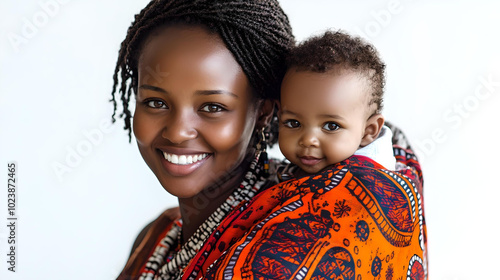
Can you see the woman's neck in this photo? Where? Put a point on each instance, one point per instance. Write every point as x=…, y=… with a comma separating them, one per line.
x=196, y=210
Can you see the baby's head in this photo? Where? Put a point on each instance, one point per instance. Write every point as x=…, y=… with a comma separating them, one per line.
x=331, y=100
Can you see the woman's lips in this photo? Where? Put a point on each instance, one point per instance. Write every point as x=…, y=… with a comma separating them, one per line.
x=178, y=164
x=306, y=160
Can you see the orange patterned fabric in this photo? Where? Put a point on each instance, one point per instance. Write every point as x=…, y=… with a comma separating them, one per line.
x=352, y=221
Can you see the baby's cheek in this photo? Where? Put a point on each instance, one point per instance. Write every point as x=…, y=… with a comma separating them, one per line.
x=338, y=150
x=287, y=144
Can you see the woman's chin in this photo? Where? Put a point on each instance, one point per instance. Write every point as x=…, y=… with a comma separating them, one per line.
x=183, y=188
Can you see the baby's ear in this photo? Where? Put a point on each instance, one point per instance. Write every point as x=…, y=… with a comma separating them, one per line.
x=372, y=129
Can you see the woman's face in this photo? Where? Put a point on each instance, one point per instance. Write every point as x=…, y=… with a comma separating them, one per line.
x=195, y=112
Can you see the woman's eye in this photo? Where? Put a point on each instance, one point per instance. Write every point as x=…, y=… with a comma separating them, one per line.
x=158, y=104
x=331, y=126
x=212, y=108
x=291, y=123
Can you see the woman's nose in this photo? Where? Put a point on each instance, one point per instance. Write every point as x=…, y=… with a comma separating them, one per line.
x=309, y=139
x=180, y=128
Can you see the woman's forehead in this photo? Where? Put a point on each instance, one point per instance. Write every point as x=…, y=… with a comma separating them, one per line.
x=190, y=59
x=188, y=40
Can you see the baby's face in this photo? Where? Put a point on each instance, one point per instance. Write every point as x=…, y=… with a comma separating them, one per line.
x=322, y=117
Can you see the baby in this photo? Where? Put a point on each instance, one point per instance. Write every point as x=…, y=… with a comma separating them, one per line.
x=331, y=102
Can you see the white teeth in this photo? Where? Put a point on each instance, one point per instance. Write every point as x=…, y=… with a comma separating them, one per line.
x=183, y=159
x=175, y=159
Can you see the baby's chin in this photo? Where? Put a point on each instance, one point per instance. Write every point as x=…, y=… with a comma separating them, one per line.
x=311, y=169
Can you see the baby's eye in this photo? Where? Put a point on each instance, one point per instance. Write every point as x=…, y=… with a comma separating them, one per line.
x=330, y=126
x=291, y=123
x=157, y=104
x=212, y=108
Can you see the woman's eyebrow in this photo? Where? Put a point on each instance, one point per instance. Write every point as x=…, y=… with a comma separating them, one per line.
x=198, y=92
x=216, y=91
x=153, y=88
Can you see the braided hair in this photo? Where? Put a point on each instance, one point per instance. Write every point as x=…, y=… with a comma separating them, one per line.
x=256, y=32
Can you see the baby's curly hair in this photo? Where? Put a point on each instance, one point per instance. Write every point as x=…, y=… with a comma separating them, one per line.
x=338, y=49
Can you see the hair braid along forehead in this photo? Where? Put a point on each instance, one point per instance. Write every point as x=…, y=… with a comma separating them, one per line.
x=256, y=32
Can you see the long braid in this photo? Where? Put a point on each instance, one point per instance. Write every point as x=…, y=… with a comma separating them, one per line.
x=257, y=33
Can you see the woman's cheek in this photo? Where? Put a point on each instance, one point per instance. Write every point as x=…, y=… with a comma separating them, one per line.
x=235, y=131
x=224, y=135
x=144, y=128
x=139, y=127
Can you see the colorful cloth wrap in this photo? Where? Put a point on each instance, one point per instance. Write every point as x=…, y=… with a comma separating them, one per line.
x=354, y=220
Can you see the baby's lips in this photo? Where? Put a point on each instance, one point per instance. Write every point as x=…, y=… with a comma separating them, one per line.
x=308, y=160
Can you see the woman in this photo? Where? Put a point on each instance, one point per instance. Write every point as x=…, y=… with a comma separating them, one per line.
x=205, y=75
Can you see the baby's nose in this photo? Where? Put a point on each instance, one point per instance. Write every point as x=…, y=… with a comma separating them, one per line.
x=309, y=139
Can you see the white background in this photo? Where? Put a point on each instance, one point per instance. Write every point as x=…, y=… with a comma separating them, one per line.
x=54, y=89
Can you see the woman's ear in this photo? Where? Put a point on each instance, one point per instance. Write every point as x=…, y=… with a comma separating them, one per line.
x=265, y=114
x=372, y=129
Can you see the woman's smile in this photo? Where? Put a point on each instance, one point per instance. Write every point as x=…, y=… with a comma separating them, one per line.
x=183, y=162
x=183, y=159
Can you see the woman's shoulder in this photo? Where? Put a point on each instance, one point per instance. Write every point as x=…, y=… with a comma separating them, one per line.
x=166, y=217
x=147, y=240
